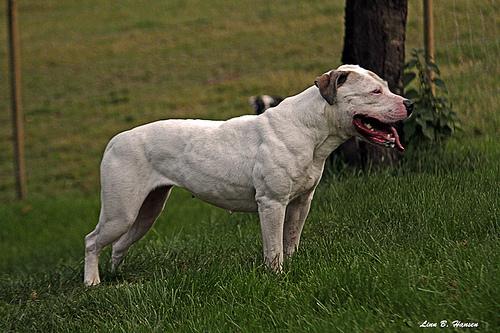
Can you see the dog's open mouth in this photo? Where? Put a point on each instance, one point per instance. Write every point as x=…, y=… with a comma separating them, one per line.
x=377, y=132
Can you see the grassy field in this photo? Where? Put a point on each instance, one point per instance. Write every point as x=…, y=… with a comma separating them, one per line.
x=381, y=251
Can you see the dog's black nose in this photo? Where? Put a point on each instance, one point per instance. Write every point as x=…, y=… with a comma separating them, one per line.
x=409, y=106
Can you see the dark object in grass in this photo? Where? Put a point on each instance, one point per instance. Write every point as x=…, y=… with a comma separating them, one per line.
x=261, y=103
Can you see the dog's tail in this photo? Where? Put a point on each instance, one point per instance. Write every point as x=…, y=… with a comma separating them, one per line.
x=261, y=103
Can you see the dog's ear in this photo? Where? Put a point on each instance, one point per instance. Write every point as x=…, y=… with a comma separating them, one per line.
x=328, y=84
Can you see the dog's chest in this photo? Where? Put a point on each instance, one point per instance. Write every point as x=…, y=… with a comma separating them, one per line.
x=306, y=181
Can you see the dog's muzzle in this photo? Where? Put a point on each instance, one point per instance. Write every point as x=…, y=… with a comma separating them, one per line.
x=377, y=132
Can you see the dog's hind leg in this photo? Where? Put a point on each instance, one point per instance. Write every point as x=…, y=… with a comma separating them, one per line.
x=149, y=212
x=105, y=233
x=121, y=200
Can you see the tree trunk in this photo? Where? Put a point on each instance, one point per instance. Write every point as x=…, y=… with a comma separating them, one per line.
x=375, y=39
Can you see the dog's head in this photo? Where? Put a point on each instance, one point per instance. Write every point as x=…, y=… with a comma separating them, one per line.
x=363, y=104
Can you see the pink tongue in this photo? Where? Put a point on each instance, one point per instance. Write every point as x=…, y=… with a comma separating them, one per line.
x=396, y=136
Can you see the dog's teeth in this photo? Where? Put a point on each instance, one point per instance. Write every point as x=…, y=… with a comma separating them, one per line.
x=369, y=127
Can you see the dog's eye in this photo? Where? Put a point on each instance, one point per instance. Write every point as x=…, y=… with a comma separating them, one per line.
x=377, y=91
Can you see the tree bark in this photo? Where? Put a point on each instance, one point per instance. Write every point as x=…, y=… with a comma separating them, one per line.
x=375, y=39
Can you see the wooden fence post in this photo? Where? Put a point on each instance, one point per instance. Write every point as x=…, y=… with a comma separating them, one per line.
x=429, y=36
x=17, y=112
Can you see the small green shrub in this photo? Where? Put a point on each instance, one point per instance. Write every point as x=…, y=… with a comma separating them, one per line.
x=433, y=119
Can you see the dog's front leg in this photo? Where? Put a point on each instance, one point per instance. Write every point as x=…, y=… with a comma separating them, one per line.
x=296, y=214
x=272, y=216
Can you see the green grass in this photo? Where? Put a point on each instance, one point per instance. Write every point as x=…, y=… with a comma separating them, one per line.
x=381, y=251
x=423, y=247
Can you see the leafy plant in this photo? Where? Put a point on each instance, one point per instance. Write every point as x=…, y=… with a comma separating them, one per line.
x=433, y=119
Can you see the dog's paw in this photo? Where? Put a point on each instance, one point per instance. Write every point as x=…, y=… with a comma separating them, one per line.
x=92, y=281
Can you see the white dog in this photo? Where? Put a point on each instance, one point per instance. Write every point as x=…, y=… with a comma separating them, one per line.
x=270, y=164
